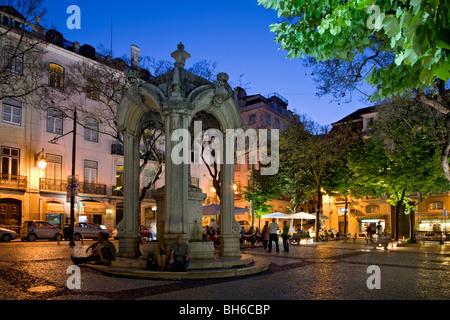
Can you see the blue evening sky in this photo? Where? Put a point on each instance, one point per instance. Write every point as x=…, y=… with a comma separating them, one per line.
x=233, y=33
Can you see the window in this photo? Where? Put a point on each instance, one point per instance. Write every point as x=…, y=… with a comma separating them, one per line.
x=91, y=130
x=54, y=167
x=268, y=119
x=56, y=76
x=251, y=119
x=119, y=176
x=13, y=60
x=10, y=161
x=12, y=112
x=437, y=205
x=275, y=106
x=91, y=89
x=236, y=167
x=54, y=121
x=90, y=171
x=372, y=209
x=277, y=123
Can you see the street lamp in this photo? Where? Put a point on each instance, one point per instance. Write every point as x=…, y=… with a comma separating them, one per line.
x=41, y=162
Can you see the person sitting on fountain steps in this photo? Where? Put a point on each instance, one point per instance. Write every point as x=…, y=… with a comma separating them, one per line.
x=179, y=255
x=103, y=253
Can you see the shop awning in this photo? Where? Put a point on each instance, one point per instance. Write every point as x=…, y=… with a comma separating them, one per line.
x=214, y=210
x=54, y=207
x=93, y=207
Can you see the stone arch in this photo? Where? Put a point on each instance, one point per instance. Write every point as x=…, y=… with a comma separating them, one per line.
x=170, y=101
x=227, y=114
x=139, y=109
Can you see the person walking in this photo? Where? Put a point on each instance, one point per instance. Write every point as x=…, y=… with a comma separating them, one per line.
x=285, y=236
x=265, y=235
x=273, y=236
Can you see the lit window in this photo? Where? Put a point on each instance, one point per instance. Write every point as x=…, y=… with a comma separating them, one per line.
x=91, y=128
x=437, y=205
x=54, y=167
x=54, y=121
x=12, y=112
x=56, y=76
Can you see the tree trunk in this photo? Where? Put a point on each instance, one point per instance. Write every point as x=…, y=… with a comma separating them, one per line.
x=397, y=211
x=398, y=206
x=345, y=215
x=319, y=208
x=412, y=237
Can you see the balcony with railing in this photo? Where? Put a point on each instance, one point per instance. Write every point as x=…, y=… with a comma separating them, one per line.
x=92, y=188
x=11, y=181
x=83, y=187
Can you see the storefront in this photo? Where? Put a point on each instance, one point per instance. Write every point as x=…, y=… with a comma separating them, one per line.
x=92, y=211
x=54, y=212
x=364, y=223
x=434, y=225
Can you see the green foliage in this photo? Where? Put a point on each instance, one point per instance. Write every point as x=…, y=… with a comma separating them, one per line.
x=265, y=189
x=415, y=32
x=402, y=156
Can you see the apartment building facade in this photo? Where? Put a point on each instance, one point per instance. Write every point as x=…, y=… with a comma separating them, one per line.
x=371, y=210
x=29, y=134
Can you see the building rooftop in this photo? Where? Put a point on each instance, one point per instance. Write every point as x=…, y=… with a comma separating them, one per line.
x=357, y=115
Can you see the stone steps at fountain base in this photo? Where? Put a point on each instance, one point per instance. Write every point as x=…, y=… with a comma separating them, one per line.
x=221, y=268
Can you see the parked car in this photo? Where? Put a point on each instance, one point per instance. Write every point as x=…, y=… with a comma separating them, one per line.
x=7, y=235
x=245, y=224
x=85, y=230
x=37, y=229
x=143, y=233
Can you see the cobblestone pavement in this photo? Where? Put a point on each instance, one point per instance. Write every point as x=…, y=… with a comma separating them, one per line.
x=316, y=271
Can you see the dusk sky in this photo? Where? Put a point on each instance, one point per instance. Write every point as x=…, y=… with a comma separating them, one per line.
x=233, y=33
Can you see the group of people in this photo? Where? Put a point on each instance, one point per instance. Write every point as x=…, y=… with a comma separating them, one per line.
x=371, y=230
x=269, y=235
x=211, y=230
x=175, y=257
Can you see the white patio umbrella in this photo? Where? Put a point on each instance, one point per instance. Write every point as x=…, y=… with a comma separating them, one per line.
x=302, y=216
x=275, y=215
x=214, y=210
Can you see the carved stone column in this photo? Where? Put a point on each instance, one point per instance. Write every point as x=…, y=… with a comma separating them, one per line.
x=230, y=228
x=128, y=228
x=176, y=176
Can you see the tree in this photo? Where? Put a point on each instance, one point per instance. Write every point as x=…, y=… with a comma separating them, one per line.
x=22, y=69
x=401, y=157
x=309, y=151
x=399, y=47
x=341, y=178
x=264, y=190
